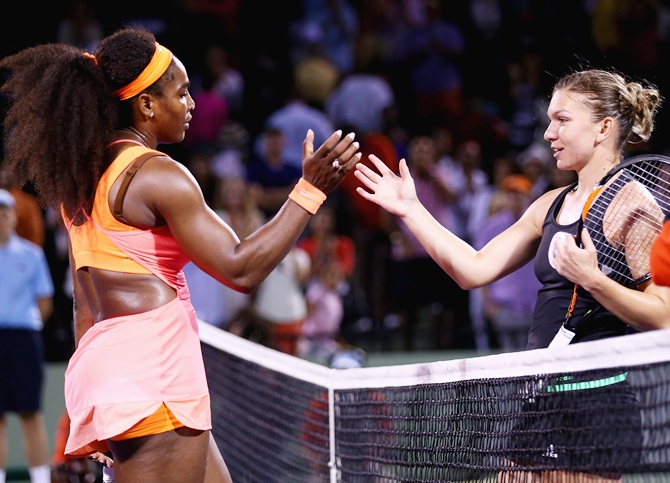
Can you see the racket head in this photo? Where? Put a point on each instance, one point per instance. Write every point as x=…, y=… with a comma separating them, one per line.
x=625, y=214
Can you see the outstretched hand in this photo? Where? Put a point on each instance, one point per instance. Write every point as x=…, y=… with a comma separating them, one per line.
x=394, y=193
x=326, y=167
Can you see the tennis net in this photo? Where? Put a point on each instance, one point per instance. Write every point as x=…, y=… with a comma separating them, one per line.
x=596, y=409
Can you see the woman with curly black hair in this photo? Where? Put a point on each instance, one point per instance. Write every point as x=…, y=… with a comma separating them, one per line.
x=84, y=129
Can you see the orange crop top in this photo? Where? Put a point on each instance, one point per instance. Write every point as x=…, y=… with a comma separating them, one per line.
x=96, y=242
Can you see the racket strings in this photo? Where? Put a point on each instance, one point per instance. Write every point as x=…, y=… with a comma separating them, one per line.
x=656, y=179
x=635, y=203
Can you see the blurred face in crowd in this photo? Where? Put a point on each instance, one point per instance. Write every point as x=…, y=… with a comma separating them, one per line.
x=323, y=221
x=422, y=154
x=7, y=222
x=273, y=145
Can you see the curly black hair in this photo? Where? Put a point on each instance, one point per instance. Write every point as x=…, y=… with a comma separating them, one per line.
x=62, y=113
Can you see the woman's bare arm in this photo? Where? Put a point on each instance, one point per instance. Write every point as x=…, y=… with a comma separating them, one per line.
x=172, y=194
x=468, y=267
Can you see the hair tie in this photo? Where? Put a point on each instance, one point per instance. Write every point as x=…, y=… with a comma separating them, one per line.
x=151, y=73
x=92, y=57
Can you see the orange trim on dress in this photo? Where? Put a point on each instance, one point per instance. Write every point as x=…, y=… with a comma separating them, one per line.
x=162, y=421
x=92, y=247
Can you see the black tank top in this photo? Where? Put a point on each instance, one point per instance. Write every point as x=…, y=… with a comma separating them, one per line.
x=554, y=297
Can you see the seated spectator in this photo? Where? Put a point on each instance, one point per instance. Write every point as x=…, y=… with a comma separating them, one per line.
x=368, y=231
x=324, y=244
x=215, y=303
x=509, y=302
x=279, y=306
x=320, y=335
x=419, y=285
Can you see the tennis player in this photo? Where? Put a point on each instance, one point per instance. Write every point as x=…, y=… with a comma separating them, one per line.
x=593, y=116
x=84, y=129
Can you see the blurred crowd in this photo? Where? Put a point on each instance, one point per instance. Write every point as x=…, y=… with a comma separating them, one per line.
x=457, y=88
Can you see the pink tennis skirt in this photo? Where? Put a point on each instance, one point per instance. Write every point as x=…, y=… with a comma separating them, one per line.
x=126, y=367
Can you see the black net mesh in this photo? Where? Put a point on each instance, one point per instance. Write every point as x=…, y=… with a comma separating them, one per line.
x=556, y=426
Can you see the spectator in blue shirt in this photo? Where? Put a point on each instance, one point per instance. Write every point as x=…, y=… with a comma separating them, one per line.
x=26, y=301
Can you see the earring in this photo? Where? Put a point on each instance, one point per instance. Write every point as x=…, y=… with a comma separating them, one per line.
x=151, y=115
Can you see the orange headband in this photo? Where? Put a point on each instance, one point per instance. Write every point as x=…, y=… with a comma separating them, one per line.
x=151, y=73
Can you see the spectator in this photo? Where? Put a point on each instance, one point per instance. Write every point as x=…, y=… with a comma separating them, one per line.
x=80, y=26
x=370, y=234
x=213, y=112
x=508, y=303
x=214, y=302
x=30, y=222
x=481, y=210
x=227, y=79
x=279, y=305
x=362, y=97
x=469, y=181
x=433, y=48
x=535, y=162
x=332, y=25
x=26, y=301
x=316, y=77
x=270, y=176
x=293, y=119
x=324, y=243
x=202, y=166
x=320, y=333
x=419, y=285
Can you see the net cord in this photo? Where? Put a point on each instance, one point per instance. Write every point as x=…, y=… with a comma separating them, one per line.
x=651, y=347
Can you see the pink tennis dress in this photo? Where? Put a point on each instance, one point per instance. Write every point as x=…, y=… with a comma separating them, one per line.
x=126, y=367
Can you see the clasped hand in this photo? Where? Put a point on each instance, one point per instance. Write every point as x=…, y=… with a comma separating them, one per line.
x=574, y=263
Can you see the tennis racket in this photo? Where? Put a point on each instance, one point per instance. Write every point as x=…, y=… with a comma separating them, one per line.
x=623, y=215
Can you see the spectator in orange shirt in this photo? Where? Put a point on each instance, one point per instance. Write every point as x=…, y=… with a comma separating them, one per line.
x=29, y=214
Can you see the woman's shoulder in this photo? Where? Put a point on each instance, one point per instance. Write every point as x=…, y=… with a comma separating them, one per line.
x=551, y=196
x=163, y=164
x=541, y=206
x=166, y=184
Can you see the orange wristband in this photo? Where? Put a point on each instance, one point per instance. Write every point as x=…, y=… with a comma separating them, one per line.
x=307, y=195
